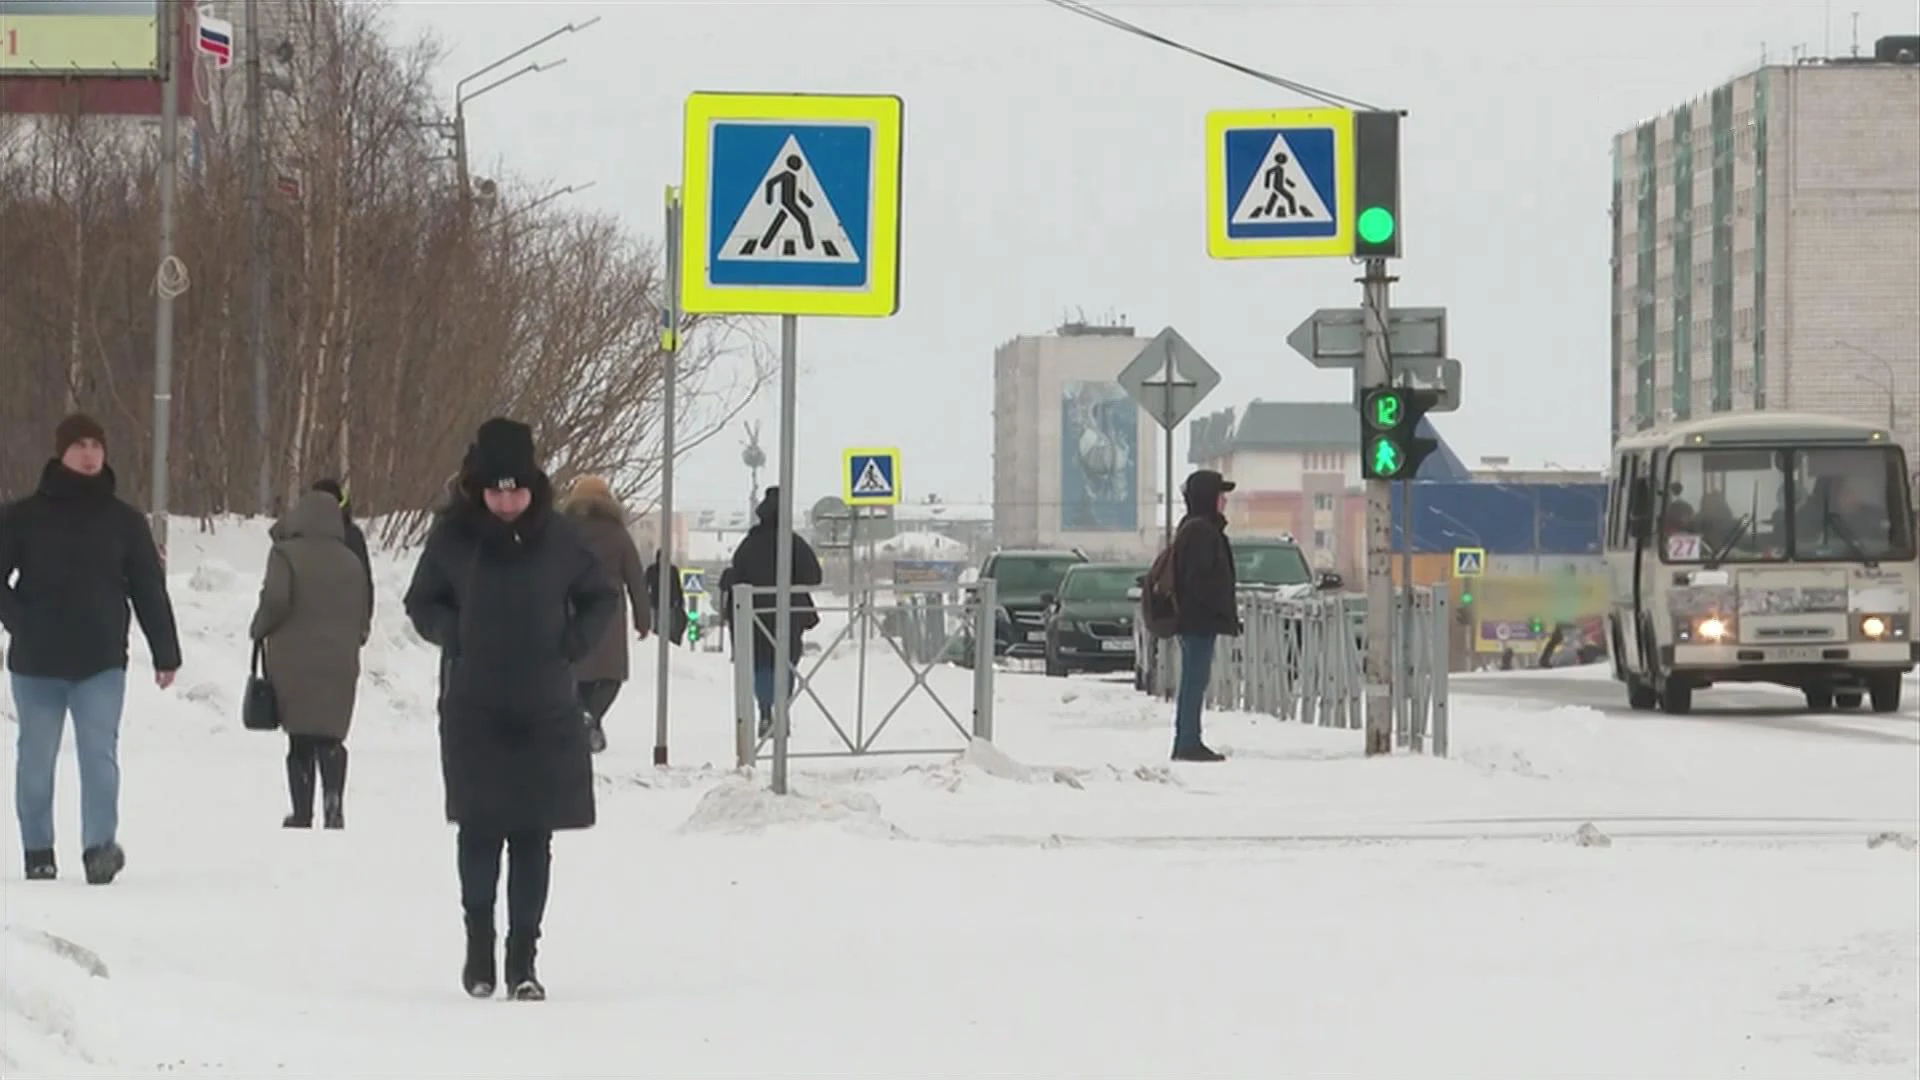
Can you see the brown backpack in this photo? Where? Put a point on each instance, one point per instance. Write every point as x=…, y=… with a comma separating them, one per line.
x=1159, y=608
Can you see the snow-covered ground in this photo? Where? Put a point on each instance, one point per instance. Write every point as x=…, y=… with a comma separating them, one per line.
x=1061, y=904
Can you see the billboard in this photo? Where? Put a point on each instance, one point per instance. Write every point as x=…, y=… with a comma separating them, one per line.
x=75, y=38
x=1099, y=458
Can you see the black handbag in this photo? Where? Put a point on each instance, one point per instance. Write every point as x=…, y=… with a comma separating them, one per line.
x=260, y=710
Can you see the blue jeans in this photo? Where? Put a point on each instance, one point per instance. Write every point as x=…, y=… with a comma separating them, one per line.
x=43, y=704
x=1196, y=668
x=763, y=691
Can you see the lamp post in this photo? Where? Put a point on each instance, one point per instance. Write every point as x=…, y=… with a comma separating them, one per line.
x=1885, y=365
x=461, y=96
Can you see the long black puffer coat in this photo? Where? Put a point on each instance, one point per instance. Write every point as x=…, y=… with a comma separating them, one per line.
x=757, y=562
x=513, y=606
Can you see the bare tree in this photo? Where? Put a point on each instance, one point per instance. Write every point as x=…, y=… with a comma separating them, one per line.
x=401, y=315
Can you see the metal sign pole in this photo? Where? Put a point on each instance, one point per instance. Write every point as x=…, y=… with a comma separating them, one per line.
x=783, y=552
x=663, y=603
x=163, y=292
x=1380, y=621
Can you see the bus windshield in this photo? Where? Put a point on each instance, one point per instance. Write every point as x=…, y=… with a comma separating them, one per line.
x=1786, y=504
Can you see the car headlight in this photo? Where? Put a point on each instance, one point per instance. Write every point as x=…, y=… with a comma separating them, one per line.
x=1883, y=627
x=1704, y=630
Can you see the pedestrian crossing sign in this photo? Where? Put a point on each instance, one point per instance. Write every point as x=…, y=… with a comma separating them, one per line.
x=1469, y=562
x=693, y=582
x=872, y=477
x=1280, y=183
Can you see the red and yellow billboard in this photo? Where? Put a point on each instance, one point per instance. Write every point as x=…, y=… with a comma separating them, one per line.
x=80, y=38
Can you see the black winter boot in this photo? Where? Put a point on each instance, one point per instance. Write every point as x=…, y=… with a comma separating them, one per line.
x=41, y=865
x=479, y=975
x=299, y=791
x=522, y=984
x=333, y=783
x=103, y=863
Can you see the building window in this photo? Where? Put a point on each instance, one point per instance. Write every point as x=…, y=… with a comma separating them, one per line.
x=1322, y=501
x=1322, y=540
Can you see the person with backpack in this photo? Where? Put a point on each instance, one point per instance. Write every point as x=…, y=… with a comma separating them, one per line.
x=1190, y=596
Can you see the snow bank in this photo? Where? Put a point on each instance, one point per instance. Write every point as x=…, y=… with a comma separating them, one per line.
x=747, y=805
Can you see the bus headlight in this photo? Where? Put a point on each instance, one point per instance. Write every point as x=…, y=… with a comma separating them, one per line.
x=1883, y=627
x=1705, y=630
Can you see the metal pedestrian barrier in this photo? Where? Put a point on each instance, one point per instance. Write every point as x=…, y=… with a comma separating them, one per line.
x=1302, y=659
x=920, y=626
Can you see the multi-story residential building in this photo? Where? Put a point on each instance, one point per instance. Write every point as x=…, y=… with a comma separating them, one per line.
x=1766, y=247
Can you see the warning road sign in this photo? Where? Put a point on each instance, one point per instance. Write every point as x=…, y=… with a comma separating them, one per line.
x=1469, y=562
x=871, y=477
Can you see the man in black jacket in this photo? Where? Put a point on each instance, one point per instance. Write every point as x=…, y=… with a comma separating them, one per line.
x=356, y=540
x=514, y=597
x=81, y=556
x=1203, y=590
x=756, y=562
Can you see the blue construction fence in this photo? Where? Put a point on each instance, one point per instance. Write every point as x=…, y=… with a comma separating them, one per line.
x=1505, y=519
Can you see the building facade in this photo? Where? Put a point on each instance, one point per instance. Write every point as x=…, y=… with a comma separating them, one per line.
x=1766, y=248
x=1075, y=461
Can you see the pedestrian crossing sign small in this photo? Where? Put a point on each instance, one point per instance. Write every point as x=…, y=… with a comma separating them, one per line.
x=1469, y=562
x=871, y=477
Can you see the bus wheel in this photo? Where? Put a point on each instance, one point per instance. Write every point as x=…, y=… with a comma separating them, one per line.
x=1850, y=700
x=1819, y=698
x=1884, y=688
x=1676, y=697
x=1640, y=696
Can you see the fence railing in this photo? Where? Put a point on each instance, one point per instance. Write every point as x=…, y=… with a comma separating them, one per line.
x=1302, y=659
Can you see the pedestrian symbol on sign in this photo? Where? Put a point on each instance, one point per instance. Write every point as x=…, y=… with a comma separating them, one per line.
x=789, y=218
x=872, y=481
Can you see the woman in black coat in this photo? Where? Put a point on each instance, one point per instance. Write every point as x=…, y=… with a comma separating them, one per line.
x=513, y=596
x=756, y=562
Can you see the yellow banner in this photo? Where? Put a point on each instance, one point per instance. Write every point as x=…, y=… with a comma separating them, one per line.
x=1518, y=612
x=80, y=44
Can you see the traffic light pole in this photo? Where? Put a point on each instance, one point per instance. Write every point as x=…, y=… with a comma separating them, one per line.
x=1374, y=302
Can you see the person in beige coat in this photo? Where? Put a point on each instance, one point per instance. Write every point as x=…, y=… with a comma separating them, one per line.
x=313, y=618
x=600, y=674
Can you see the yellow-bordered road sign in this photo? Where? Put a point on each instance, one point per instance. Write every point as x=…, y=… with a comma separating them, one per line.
x=792, y=204
x=1280, y=183
x=1469, y=562
x=871, y=477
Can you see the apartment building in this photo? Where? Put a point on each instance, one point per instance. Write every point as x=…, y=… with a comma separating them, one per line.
x=1766, y=247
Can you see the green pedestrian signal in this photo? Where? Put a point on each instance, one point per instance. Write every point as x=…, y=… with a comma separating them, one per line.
x=1375, y=225
x=1392, y=447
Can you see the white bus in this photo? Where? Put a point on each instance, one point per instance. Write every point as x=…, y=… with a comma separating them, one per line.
x=1762, y=547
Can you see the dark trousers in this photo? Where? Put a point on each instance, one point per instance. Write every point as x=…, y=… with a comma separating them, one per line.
x=597, y=696
x=1196, y=670
x=308, y=755
x=529, y=872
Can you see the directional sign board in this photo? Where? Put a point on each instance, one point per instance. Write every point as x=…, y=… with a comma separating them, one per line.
x=1469, y=562
x=1335, y=337
x=792, y=204
x=1168, y=379
x=871, y=477
x=1280, y=183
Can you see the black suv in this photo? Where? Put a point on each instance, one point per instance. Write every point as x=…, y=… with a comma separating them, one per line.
x=1090, y=619
x=1022, y=581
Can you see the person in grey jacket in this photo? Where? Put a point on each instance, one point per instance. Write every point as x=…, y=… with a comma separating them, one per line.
x=315, y=614
x=590, y=502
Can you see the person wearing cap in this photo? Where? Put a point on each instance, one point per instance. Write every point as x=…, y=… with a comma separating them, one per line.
x=510, y=591
x=1206, y=606
x=604, y=670
x=73, y=559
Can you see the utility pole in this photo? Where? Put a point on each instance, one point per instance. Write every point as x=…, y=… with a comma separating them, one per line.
x=164, y=291
x=1374, y=303
x=258, y=257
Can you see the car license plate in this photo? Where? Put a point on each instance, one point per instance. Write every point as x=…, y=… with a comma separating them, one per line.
x=1796, y=655
x=1117, y=645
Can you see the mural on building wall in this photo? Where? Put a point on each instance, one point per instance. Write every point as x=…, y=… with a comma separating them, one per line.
x=1099, y=458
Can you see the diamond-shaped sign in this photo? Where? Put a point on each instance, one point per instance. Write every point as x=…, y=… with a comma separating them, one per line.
x=1169, y=379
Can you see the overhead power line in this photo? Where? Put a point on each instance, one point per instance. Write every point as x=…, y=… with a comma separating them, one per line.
x=1327, y=97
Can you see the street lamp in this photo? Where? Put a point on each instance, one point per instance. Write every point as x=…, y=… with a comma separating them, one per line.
x=536, y=204
x=461, y=96
x=1892, y=416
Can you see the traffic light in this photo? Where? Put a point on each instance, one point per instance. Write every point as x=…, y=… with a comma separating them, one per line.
x=1391, y=447
x=693, y=626
x=1376, y=185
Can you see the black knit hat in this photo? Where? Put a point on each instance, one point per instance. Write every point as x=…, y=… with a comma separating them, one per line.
x=75, y=428
x=502, y=455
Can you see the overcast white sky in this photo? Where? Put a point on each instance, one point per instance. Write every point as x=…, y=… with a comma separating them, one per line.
x=1054, y=165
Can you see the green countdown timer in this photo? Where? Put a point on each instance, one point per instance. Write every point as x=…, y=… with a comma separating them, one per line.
x=1384, y=408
